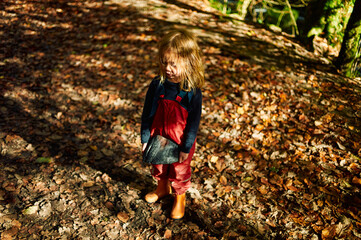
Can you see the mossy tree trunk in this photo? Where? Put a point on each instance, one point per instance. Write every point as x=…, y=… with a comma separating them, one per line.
x=350, y=49
x=336, y=18
x=326, y=18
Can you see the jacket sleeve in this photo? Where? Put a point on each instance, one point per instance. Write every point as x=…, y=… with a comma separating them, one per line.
x=193, y=120
x=147, y=117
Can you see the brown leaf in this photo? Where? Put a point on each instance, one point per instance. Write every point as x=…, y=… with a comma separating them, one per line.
x=88, y=184
x=216, y=134
x=210, y=145
x=237, y=147
x=223, y=180
x=122, y=216
x=356, y=180
x=263, y=189
x=109, y=205
x=16, y=223
x=167, y=234
x=340, y=107
x=218, y=224
x=329, y=233
x=220, y=165
x=10, y=233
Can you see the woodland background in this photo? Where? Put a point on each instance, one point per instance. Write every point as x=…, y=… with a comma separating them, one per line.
x=278, y=153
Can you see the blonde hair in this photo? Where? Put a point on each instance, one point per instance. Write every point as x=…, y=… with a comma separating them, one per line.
x=183, y=45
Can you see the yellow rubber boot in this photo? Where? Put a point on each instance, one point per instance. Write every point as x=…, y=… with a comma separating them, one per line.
x=163, y=189
x=179, y=206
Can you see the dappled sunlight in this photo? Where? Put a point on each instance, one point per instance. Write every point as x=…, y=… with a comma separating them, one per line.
x=278, y=149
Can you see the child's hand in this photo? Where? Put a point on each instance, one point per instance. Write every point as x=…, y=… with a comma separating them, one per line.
x=144, y=146
x=183, y=156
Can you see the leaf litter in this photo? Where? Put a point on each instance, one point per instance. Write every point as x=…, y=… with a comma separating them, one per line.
x=278, y=148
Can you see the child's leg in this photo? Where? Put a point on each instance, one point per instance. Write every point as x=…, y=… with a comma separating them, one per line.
x=160, y=172
x=180, y=176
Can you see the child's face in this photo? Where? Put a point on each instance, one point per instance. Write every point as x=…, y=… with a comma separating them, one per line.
x=172, y=66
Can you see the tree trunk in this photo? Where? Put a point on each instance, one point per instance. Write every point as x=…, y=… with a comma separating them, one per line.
x=336, y=12
x=350, y=49
x=326, y=18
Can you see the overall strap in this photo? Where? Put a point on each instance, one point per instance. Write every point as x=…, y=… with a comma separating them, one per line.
x=161, y=90
x=180, y=96
x=159, y=94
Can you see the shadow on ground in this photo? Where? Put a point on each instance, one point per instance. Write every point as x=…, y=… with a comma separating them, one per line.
x=73, y=81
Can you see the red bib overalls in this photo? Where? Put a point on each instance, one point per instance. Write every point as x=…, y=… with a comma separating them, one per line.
x=170, y=121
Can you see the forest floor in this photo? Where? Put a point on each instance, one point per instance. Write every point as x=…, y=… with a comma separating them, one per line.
x=278, y=154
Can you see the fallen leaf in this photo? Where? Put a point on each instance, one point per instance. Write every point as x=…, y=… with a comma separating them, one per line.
x=259, y=127
x=263, y=189
x=88, y=184
x=216, y=134
x=30, y=210
x=214, y=159
x=223, y=180
x=122, y=216
x=167, y=234
x=10, y=233
x=328, y=233
x=356, y=180
x=109, y=205
x=44, y=160
x=318, y=123
x=93, y=147
x=237, y=147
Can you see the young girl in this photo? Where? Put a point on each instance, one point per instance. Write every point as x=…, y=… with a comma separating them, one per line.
x=172, y=109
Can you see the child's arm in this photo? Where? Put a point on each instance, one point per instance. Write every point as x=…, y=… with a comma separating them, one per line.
x=193, y=121
x=147, y=119
x=144, y=145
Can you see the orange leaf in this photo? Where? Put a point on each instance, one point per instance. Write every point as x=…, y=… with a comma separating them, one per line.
x=168, y=234
x=340, y=108
x=216, y=134
x=237, y=147
x=228, y=189
x=263, y=189
x=259, y=127
x=329, y=233
x=356, y=180
x=223, y=180
x=292, y=188
x=210, y=145
x=93, y=147
x=283, y=97
x=122, y=216
x=291, y=130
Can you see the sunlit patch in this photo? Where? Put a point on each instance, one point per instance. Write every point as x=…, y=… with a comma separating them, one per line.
x=13, y=145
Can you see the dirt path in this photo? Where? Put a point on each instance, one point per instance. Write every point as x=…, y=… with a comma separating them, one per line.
x=278, y=149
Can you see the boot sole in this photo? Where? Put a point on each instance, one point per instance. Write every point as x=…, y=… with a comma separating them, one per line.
x=177, y=219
